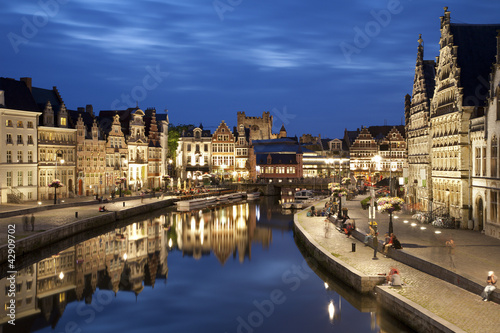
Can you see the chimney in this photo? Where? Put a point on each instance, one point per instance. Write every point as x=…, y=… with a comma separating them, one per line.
x=80, y=109
x=27, y=81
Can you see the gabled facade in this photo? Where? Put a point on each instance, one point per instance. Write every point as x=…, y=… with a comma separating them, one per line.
x=223, y=158
x=137, y=150
x=91, y=156
x=241, y=152
x=194, y=151
x=56, y=144
x=460, y=72
x=116, y=156
x=154, y=151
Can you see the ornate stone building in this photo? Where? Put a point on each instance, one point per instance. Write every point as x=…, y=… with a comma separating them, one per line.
x=461, y=72
x=242, y=145
x=223, y=157
x=91, y=154
x=56, y=144
x=116, y=155
x=417, y=118
x=137, y=144
x=154, y=150
x=194, y=151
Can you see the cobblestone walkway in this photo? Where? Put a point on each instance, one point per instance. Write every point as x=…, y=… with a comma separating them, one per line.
x=456, y=305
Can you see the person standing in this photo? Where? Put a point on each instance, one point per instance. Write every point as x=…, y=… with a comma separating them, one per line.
x=32, y=220
x=375, y=245
x=490, y=286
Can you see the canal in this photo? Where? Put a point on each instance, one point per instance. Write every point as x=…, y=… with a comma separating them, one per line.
x=234, y=268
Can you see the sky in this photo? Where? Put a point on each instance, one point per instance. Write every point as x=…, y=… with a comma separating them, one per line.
x=318, y=67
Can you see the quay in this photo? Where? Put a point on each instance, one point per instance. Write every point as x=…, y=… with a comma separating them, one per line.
x=436, y=297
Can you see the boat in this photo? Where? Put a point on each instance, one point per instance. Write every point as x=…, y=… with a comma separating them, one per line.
x=186, y=205
x=304, y=195
x=253, y=195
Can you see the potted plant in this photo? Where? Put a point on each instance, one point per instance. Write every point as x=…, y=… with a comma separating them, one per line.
x=390, y=205
x=56, y=183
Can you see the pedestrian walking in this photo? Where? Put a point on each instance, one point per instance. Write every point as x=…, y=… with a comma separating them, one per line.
x=490, y=286
x=375, y=245
x=32, y=219
x=450, y=245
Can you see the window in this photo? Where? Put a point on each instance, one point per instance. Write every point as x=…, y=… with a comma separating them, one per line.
x=30, y=139
x=9, y=156
x=30, y=124
x=189, y=147
x=19, y=124
x=19, y=156
x=483, y=162
x=206, y=147
x=63, y=121
x=9, y=178
x=19, y=139
x=30, y=156
x=494, y=154
x=30, y=178
x=19, y=178
x=9, y=138
x=8, y=123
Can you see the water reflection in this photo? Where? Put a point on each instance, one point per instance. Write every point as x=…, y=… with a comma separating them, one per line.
x=127, y=259
x=225, y=231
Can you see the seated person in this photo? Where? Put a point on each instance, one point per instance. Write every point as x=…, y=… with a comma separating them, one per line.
x=394, y=277
x=369, y=236
x=102, y=209
x=395, y=243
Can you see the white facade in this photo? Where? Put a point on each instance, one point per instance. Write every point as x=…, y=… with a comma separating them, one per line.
x=18, y=156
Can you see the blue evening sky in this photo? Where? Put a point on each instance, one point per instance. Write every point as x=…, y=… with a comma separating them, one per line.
x=318, y=66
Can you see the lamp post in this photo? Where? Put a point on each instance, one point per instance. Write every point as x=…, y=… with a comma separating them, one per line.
x=448, y=201
x=55, y=177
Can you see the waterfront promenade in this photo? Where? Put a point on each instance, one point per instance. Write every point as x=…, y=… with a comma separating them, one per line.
x=475, y=255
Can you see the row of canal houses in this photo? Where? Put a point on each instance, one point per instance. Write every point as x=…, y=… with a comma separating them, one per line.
x=97, y=154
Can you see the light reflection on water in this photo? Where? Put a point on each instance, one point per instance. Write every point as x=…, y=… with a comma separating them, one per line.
x=233, y=268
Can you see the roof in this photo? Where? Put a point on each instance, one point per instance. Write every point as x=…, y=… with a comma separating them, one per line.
x=477, y=48
x=276, y=159
x=42, y=96
x=280, y=148
x=17, y=95
x=284, y=141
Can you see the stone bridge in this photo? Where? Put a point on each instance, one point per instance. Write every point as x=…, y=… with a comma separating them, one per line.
x=274, y=187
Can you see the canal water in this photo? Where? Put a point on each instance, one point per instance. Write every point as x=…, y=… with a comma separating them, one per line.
x=233, y=268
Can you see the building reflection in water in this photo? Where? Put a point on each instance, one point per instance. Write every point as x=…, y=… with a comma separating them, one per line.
x=223, y=230
x=127, y=259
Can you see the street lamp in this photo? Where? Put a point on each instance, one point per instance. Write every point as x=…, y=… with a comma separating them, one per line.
x=448, y=201
x=54, y=182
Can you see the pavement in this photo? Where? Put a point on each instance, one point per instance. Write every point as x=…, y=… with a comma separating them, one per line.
x=475, y=255
x=48, y=219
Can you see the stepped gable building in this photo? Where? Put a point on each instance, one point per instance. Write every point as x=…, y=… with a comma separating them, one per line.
x=56, y=143
x=417, y=131
x=194, y=152
x=276, y=159
x=387, y=143
x=154, y=150
x=19, y=116
x=241, y=151
x=91, y=167
x=260, y=127
x=223, y=158
x=467, y=52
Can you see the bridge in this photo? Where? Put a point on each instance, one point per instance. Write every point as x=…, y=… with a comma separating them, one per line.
x=274, y=186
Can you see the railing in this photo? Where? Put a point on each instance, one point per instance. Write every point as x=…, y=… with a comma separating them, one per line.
x=15, y=196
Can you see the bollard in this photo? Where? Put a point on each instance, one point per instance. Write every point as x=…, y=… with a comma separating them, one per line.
x=124, y=204
x=76, y=214
x=353, y=247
